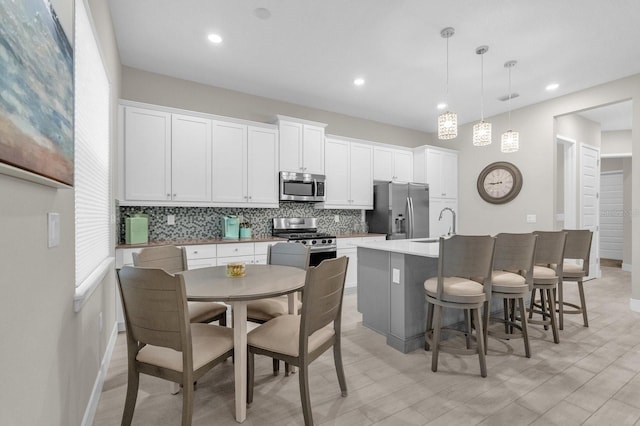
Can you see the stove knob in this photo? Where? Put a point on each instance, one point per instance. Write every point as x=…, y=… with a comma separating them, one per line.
x=303, y=242
x=324, y=241
x=329, y=241
x=313, y=242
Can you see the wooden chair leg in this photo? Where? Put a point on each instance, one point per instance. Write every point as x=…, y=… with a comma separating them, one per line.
x=222, y=320
x=250, y=376
x=543, y=303
x=485, y=325
x=583, y=304
x=552, y=313
x=505, y=307
x=531, y=303
x=337, y=359
x=276, y=367
x=133, y=382
x=525, y=331
x=560, y=305
x=187, y=403
x=512, y=314
x=467, y=321
x=480, y=340
x=429, y=327
x=304, y=394
x=436, y=337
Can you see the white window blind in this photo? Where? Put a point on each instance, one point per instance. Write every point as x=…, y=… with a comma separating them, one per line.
x=92, y=181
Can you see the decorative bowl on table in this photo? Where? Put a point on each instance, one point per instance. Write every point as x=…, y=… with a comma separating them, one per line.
x=235, y=269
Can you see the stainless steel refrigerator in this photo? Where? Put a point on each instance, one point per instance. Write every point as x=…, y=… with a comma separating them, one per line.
x=400, y=210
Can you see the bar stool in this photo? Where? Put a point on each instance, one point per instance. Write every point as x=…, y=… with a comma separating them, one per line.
x=463, y=282
x=547, y=271
x=578, y=247
x=512, y=280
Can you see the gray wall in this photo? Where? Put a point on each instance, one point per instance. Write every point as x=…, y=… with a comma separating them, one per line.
x=616, y=142
x=143, y=86
x=50, y=355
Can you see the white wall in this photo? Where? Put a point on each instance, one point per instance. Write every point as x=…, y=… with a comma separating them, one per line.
x=50, y=355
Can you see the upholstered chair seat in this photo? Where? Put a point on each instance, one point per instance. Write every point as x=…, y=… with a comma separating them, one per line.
x=456, y=290
x=265, y=309
x=509, y=282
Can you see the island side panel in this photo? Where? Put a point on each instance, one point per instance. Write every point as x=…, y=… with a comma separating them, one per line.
x=407, y=301
x=373, y=289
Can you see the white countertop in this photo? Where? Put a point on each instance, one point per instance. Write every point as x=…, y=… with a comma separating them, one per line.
x=427, y=247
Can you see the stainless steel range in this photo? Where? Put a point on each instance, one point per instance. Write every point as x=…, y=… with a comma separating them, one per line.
x=304, y=230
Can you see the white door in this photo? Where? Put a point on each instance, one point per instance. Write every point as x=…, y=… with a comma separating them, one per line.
x=382, y=164
x=313, y=149
x=403, y=166
x=589, y=201
x=337, y=168
x=290, y=146
x=611, y=215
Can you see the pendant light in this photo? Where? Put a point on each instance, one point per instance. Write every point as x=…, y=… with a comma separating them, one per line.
x=448, y=121
x=510, y=139
x=482, y=130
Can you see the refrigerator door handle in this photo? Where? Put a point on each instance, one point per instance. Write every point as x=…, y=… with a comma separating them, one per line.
x=410, y=215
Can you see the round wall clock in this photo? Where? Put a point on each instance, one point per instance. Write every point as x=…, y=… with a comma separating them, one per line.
x=499, y=182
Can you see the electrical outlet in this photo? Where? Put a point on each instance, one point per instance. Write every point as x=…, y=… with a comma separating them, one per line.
x=396, y=276
x=336, y=218
x=171, y=219
x=531, y=218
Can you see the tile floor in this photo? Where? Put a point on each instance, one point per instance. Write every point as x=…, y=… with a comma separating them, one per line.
x=592, y=377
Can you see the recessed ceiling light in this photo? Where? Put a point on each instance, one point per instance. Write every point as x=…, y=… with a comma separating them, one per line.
x=442, y=105
x=551, y=87
x=262, y=13
x=358, y=81
x=214, y=38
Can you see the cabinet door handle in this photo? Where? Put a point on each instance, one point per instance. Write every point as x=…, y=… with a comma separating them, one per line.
x=168, y=195
x=249, y=196
x=174, y=195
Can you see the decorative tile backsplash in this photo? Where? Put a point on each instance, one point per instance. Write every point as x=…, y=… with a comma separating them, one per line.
x=206, y=222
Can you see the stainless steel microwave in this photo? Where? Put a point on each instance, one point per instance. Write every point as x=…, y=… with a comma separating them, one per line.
x=302, y=187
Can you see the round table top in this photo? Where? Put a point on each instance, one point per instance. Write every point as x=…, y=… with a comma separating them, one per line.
x=260, y=281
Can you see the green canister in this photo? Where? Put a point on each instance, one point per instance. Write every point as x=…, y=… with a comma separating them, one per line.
x=136, y=229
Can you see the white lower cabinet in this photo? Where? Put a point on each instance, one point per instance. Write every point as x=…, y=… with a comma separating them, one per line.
x=348, y=247
x=201, y=256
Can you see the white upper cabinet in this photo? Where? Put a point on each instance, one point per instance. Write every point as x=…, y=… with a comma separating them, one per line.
x=438, y=168
x=301, y=146
x=391, y=164
x=262, y=166
x=245, y=165
x=147, y=154
x=174, y=157
x=349, y=170
x=229, y=165
x=190, y=158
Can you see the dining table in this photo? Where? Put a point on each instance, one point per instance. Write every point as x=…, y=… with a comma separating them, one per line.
x=212, y=284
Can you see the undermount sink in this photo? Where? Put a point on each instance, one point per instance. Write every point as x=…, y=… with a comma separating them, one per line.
x=427, y=240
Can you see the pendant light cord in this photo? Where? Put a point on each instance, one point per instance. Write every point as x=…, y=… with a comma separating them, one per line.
x=447, y=73
x=510, y=96
x=482, y=87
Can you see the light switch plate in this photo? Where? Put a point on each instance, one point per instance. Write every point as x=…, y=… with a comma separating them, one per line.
x=396, y=276
x=53, y=229
x=171, y=219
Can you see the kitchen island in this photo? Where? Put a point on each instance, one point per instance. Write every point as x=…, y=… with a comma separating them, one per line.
x=391, y=275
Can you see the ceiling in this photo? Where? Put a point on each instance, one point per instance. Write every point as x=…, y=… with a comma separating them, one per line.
x=308, y=52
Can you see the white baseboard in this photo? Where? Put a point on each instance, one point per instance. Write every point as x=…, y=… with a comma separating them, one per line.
x=626, y=267
x=634, y=304
x=92, y=405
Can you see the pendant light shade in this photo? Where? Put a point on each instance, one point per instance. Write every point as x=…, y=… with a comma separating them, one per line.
x=510, y=140
x=447, y=125
x=482, y=130
x=448, y=121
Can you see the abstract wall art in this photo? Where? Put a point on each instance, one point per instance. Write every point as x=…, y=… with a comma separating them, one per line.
x=36, y=90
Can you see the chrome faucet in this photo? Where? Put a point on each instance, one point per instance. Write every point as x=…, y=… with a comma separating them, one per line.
x=452, y=230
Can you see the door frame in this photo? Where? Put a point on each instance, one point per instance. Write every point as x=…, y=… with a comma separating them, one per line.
x=570, y=181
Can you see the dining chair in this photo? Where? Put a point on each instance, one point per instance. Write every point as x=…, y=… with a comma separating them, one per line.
x=300, y=339
x=463, y=282
x=161, y=341
x=547, y=271
x=262, y=310
x=512, y=281
x=174, y=259
x=577, y=255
